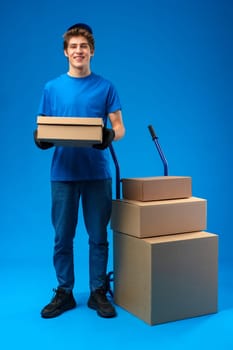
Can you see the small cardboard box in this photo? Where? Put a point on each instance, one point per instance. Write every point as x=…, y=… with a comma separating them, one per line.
x=167, y=278
x=157, y=188
x=66, y=131
x=158, y=218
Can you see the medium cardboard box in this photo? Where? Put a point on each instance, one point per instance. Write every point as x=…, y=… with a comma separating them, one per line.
x=157, y=188
x=169, y=278
x=66, y=131
x=158, y=218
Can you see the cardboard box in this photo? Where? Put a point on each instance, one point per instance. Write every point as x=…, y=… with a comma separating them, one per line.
x=158, y=218
x=157, y=188
x=66, y=131
x=167, y=278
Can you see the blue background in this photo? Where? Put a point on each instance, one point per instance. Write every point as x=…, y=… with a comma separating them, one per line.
x=172, y=64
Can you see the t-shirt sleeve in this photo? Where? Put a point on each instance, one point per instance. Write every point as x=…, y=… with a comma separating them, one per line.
x=44, y=106
x=113, y=100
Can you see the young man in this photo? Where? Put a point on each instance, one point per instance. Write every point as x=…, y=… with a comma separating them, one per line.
x=81, y=173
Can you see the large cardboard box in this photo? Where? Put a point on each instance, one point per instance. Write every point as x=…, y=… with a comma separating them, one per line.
x=157, y=188
x=158, y=218
x=66, y=131
x=163, y=279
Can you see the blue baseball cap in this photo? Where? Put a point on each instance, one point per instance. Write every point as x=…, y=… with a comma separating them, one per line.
x=82, y=26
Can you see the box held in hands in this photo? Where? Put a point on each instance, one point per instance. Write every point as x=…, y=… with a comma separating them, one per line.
x=70, y=131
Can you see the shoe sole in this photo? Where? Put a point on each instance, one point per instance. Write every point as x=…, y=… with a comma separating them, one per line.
x=58, y=311
x=93, y=306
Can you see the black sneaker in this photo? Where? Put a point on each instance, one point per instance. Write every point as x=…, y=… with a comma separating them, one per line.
x=61, y=302
x=99, y=302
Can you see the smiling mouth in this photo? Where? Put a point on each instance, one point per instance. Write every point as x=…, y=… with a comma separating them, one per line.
x=78, y=58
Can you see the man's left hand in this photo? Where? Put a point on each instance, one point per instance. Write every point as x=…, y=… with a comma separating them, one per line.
x=108, y=137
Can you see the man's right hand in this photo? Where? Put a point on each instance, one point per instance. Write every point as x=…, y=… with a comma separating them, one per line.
x=41, y=144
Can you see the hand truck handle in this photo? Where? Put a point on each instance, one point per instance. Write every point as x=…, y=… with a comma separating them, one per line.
x=159, y=149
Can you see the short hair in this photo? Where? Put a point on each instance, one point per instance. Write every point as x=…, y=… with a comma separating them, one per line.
x=79, y=29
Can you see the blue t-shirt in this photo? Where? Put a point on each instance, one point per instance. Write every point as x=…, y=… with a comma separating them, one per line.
x=91, y=96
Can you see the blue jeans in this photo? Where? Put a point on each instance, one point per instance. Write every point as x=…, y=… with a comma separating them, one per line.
x=96, y=199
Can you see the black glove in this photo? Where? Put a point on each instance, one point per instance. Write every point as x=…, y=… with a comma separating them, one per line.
x=108, y=137
x=41, y=144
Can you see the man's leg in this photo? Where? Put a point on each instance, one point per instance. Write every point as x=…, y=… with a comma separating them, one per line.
x=65, y=201
x=64, y=218
x=97, y=205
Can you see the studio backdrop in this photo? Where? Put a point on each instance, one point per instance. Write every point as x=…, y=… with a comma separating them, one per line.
x=171, y=62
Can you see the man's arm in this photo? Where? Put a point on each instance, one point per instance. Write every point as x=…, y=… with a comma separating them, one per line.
x=116, y=132
x=117, y=124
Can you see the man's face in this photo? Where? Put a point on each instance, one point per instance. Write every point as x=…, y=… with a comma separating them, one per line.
x=79, y=52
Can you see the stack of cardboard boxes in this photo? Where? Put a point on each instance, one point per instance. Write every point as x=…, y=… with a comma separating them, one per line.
x=165, y=264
